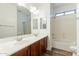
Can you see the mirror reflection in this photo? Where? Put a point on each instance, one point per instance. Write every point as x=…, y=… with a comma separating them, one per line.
x=35, y=23
x=23, y=21
x=43, y=23
x=14, y=20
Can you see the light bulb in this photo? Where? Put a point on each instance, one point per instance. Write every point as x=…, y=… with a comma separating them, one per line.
x=32, y=9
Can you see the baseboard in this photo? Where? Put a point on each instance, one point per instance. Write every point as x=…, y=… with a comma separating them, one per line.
x=57, y=51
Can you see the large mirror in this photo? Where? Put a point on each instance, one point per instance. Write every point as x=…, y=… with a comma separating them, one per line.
x=14, y=20
x=23, y=21
x=35, y=23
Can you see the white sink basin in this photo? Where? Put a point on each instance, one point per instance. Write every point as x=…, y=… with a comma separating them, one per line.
x=21, y=42
x=25, y=40
x=29, y=38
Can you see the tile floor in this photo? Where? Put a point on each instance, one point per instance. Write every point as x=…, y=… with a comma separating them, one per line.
x=57, y=52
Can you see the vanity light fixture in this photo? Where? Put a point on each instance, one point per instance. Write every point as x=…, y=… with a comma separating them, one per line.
x=44, y=19
x=32, y=9
x=36, y=12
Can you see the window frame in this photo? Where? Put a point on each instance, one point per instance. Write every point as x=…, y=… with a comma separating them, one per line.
x=64, y=13
x=70, y=12
x=60, y=14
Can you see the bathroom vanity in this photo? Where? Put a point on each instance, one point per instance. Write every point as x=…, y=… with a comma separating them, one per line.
x=36, y=49
x=30, y=45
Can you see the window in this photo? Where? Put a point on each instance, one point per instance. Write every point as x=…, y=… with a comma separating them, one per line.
x=70, y=12
x=66, y=13
x=59, y=14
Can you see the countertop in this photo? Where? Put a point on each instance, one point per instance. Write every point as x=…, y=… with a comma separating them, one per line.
x=9, y=46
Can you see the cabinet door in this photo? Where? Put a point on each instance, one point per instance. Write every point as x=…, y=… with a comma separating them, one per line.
x=20, y=53
x=45, y=42
x=43, y=45
x=35, y=48
x=27, y=51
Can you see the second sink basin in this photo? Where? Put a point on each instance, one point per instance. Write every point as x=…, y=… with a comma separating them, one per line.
x=25, y=40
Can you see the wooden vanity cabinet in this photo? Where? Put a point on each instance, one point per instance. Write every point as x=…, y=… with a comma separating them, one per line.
x=36, y=49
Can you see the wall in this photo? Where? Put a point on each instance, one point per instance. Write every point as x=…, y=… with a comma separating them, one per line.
x=77, y=28
x=63, y=28
x=8, y=18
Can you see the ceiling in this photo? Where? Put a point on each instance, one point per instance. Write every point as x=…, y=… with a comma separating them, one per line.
x=56, y=5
